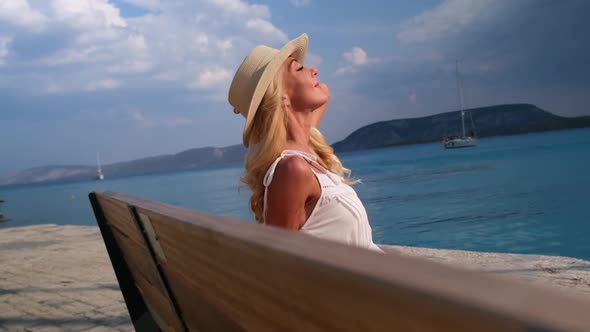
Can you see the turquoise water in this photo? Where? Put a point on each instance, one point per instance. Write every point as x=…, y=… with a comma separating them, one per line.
x=520, y=194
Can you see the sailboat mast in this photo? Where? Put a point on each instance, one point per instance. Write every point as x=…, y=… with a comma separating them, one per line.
x=98, y=162
x=460, y=97
x=454, y=142
x=463, y=122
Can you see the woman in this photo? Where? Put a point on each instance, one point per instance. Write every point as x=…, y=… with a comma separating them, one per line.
x=296, y=180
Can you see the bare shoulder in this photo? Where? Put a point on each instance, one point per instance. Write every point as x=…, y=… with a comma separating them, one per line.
x=295, y=170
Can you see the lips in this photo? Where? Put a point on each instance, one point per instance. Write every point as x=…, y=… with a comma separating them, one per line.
x=316, y=85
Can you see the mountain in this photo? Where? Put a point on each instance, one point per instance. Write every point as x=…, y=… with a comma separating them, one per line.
x=189, y=159
x=489, y=121
x=48, y=173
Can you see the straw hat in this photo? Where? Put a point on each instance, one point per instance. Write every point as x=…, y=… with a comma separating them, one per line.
x=255, y=75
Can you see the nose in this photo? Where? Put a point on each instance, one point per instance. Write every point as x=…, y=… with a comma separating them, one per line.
x=314, y=72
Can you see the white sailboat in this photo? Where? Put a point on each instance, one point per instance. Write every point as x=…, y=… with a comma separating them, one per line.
x=463, y=141
x=99, y=175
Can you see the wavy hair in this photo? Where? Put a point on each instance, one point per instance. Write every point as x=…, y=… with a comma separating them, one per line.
x=267, y=138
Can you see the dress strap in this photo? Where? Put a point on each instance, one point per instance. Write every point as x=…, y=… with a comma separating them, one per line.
x=271, y=170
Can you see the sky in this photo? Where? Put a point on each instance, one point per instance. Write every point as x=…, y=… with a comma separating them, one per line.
x=138, y=78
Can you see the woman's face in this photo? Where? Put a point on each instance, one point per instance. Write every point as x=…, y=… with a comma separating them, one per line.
x=300, y=83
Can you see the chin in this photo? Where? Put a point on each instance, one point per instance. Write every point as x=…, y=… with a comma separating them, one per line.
x=321, y=100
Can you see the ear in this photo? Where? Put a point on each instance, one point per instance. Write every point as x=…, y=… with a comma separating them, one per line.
x=285, y=102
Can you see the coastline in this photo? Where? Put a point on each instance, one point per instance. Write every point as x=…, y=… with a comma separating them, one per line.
x=59, y=278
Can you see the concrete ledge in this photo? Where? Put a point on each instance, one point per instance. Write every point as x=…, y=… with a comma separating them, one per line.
x=59, y=278
x=570, y=275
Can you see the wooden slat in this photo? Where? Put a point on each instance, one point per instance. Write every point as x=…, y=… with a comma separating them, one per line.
x=199, y=312
x=118, y=216
x=265, y=278
x=139, y=261
x=138, y=311
x=268, y=291
x=131, y=242
x=159, y=306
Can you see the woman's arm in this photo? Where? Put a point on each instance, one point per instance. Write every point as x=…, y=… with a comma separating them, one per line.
x=288, y=192
x=318, y=113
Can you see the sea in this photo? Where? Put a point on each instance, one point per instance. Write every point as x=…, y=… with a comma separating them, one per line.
x=525, y=194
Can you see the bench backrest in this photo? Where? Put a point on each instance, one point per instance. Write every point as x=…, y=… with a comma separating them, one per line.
x=184, y=270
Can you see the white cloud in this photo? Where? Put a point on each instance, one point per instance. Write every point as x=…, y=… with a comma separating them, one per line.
x=355, y=58
x=242, y=8
x=201, y=42
x=136, y=66
x=266, y=28
x=412, y=96
x=104, y=84
x=178, y=121
x=313, y=60
x=225, y=44
x=344, y=70
x=136, y=42
x=150, y=122
x=186, y=43
x=52, y=88
x=4, y=41
x=20, y=13
x=487, y=66
x=146, y=4
x=210, y=77
x=137, y=116
x=88, y=14
x=451, y=16
x=300, y=3
x=166, y=76
x=73, y=56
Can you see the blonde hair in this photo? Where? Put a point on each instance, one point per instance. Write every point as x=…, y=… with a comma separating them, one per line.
x=267, y=138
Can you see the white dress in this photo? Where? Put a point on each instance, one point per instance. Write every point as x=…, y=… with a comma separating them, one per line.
x=339, y=215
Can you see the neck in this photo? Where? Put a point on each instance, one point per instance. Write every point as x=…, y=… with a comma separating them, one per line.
x=298, y=131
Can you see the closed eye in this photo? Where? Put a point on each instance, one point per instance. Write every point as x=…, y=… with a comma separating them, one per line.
x=300, y=68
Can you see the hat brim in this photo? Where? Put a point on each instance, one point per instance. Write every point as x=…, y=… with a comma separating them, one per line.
x=296, y=48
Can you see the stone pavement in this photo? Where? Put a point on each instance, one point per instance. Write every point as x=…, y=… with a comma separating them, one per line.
x=59, y=278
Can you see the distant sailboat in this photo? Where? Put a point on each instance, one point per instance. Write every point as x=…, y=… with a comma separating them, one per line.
x=463, y=141
x=99, y=175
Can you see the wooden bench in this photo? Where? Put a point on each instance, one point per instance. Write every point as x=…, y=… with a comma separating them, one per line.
x=183, y=270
